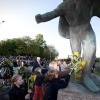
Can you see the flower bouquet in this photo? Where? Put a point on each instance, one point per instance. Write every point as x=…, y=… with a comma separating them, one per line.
x=77, y=64
x=6, y=69
x=21, y=70
x=31, y=82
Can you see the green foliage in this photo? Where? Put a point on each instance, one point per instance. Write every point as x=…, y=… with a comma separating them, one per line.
x=27, y=46
x=7, y=63
x=40, y=40
x=31, y=82
x=97, y=73
x=78, y=64
x=6, y=69
x=52, y=52
x=21, y=70
x=6, y=47
x=97, y=70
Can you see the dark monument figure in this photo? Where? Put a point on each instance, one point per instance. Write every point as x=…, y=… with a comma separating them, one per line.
x=74, y=24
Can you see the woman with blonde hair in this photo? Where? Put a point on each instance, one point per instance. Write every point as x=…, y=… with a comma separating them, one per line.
x=18, y=91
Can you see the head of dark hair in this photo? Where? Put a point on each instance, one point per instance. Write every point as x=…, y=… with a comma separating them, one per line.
x=51, y=74
x=68, y=60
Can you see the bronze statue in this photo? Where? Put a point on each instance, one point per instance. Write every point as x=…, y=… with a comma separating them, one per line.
x=74, y=24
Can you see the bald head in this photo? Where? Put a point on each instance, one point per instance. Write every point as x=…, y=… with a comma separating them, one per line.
x=38, y=59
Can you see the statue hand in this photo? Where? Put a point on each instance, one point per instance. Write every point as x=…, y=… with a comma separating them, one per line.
x=38, y=18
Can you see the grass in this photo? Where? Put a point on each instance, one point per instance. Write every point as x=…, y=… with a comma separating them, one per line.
x=97, y=71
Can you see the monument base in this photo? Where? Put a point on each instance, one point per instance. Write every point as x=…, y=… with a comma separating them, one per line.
x=76, y=91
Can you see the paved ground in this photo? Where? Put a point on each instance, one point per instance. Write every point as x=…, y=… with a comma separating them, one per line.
x=77, y=92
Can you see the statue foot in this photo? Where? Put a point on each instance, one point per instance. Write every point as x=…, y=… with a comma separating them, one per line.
x=38, y=18
x=86, y=80
x=95, y=79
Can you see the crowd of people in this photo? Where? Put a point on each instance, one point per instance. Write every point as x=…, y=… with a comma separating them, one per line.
x=50, y=77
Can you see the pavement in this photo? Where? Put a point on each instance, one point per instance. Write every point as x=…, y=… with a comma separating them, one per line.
x=76, y=91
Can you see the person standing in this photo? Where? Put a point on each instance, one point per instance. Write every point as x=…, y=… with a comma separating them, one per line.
x=55, y=84
x=18, y=90
x=38, y=84
x=36, y=64
x=93, y=67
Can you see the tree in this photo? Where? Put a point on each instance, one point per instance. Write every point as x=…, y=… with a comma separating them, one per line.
x=21, y=47
x=7, y=47
x=53, y=52
x=28, y=46
x=41, y=42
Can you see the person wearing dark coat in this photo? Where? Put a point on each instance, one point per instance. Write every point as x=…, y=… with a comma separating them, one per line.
x=39, y=76
x=36, y=64
x=55, y=84
x=18, y=93
x=18, y=90
x=38, y=84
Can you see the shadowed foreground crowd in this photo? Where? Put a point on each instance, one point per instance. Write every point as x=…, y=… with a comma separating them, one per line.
x=49, y=78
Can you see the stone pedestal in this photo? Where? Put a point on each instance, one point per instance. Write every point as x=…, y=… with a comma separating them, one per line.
x=76, y=91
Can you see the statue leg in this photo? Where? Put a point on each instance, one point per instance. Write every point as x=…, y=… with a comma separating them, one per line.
x=89, y=48
x=89, y=52
x=75, y=41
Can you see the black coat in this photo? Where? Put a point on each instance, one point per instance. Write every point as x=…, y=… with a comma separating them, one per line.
x=35, y=65
x=39, y=78
x=54, y=86
x=18, y=93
